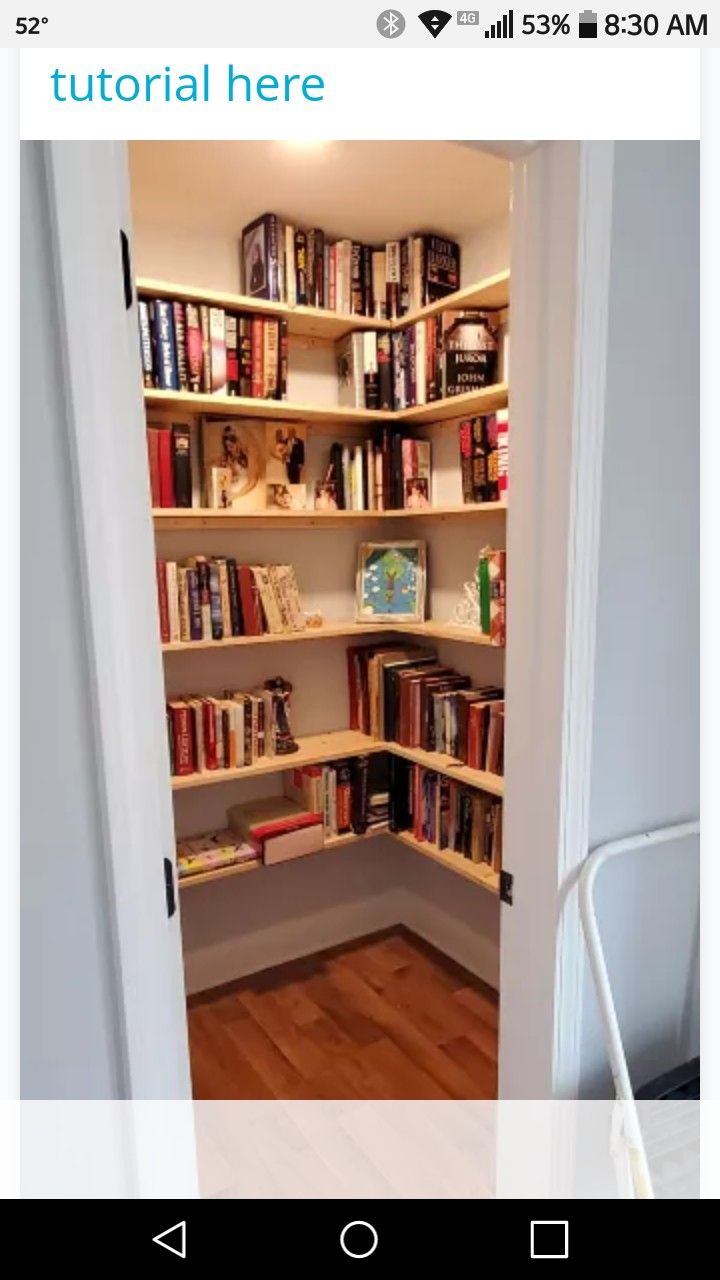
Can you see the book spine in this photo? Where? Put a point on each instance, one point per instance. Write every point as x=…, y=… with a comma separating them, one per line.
x=392, y=278
x=196, y=627
x=161, y=578
x=216, y=616
x=257, y=380
x=282, y=387
x=356, y=287
x=370, y=371
x=180, y=345
x=290, y=270
x=271, y=359
x=182, y=740
x=209, y=735
x=503, y=448
x=384, y=369
x=466, y=467
x=234, y=593
x=193, y=347
x=165, y=346
x=203, y=571
x=367, y=281
x=332, y=288
x=245, y=351
x=319, y=271
x=223, y=578
x=232, y=358
x=431, y=358
x=152, y=436
x=146, y=349
x=218, y=356
x=359, y=796
x=273, y=258
x=182, y=474
x=379, y=290
x=167, y=482
x=412, y=366
x=405, y=251
x=310, y=269
x=173, y=602
x=301, y=274
x=184, y=604
x=205, y=333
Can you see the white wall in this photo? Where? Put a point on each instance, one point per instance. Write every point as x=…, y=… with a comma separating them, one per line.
x=645, y=755
x=70, y=1038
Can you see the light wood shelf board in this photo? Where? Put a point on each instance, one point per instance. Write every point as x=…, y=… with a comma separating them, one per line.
x=336, y=630
x=477, y=872
x=170, y=519
x=490, y=293
x=272, y=410
x=492, y=783
x=315, y=749
x=238, y=868
x=468, y=404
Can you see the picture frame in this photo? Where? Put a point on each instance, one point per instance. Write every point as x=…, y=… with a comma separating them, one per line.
x=391, y=581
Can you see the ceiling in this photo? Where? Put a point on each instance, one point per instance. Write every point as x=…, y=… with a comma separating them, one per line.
x=370, y=191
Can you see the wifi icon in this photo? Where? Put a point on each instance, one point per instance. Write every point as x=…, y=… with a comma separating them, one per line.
x=435, y=20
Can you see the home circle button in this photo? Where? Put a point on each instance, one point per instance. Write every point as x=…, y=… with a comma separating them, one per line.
x=358, y=1239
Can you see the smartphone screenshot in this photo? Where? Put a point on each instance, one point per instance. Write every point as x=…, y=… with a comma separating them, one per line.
x=353, y=513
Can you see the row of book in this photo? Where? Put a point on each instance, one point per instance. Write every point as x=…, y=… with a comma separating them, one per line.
x=484, y=452
x=443, y=356
x=319, y=803
x=446, y=814
x=402, y=693
x=230, y=731
x=301, y=267
x=189, y=346
x=215, y=598
x=382, y=474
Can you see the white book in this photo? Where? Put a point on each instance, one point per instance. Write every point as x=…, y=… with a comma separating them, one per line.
x=171, y=578
x=358, y=480
x=347, y=477
x=421, y=362
x=344, y=276
x=370, y=496
x=369, y=365
x=378, y=284
x=290, y=276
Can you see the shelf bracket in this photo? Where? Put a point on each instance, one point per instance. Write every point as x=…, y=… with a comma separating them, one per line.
x=507, y=881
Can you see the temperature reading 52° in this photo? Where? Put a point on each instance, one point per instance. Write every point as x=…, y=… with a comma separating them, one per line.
x=29, y=26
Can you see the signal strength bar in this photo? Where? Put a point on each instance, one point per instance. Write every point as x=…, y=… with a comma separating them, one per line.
x=502, y=29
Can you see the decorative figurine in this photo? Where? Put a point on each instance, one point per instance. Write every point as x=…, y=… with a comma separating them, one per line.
x=281, y=689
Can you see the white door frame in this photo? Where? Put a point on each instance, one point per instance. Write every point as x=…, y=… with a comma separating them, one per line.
x=89, y=206
x=560, y=272
x=561, y=224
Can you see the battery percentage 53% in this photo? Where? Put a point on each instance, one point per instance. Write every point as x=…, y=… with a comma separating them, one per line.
x=546, y=24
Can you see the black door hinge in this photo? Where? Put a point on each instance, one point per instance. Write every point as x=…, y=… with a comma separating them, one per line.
x=506, y=887
x=169, y=887
x=126, y=269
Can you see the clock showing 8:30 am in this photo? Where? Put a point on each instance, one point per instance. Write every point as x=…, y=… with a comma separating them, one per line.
x=648, y=24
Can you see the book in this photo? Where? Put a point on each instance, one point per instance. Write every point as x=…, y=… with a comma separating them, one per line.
x=491, y=592
x=440, y=268
x=165, y=465
x=163, y=614
x=182, y=737
x=301, y=265
x=503, y=436
x=350, y=362
x=245, y=354
x=193, y=347
x=211, y=851
x=204, y=312
x=180, y=345
x=271, y=359
x=182, y=474
x=232, y=358
x=146, y=346
x=379, y=290
x=249, y=601
x=277, y=828
x=166, y=358
x=392, y=279
x=153, y=451
x=290, y=269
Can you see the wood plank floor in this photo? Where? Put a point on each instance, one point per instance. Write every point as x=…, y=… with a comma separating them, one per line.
x=387, y=1016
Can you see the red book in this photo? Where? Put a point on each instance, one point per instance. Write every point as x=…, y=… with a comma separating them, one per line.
x=163, y=601
x=167, y=478
x=249, y=601
x=209, y=734
x=181, y=720
x=257, y=337
x=153, y=449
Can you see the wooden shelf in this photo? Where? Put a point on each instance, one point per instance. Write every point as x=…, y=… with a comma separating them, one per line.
x=492, y=293
x=303, y=322
x=470, y=403
x=478, y=872
x=333, y=630
x=492, y=783
x=237, y=868
x=319, y=322
x=273, y=410
x=313, y=750
x=170, y=519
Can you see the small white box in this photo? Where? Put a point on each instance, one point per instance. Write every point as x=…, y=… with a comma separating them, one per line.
x=549, y=1222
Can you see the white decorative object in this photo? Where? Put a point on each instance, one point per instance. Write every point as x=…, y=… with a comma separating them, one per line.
x=467, y=612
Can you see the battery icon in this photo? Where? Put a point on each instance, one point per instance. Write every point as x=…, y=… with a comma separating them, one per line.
x=587, y=25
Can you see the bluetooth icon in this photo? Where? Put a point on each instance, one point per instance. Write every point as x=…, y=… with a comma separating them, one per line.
x=390, y=24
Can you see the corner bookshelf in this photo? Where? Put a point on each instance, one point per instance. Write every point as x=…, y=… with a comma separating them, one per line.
x=324, y=326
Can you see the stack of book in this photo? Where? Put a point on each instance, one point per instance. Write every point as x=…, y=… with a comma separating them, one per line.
x=211, y=852
x=203, y=598
x=190, y=346
x=389, y=472
x=230, y=731
x=484, y=457
x=301, y=267
x=277, y=828
x=445, y=814
x=444, y=355
x=401, y=693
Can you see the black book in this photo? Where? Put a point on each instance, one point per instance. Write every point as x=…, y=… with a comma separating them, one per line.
x=468, y=371
x=399, y=789
x=232, y=354
x=390, y=673
x=180, y=345
x=337, y=474
x=405, y=251
x=441, y=267
x=182, y=471
x=367, y=282
x=318, y=275
x=301, y=260
x=236, y=621
x=245, y=354
x=359, y=799
x=396, y=471
x=356, y=280
x=385, y=372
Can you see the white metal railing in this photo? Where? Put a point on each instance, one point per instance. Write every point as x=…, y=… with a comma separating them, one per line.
x=628, y=1146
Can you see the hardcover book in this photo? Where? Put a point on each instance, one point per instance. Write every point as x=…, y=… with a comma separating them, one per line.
x=441, y=267
x=167, y=377
x=146, y=346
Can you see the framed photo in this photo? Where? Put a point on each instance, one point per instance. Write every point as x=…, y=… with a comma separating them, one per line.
x=390, y=582
x=256, y=254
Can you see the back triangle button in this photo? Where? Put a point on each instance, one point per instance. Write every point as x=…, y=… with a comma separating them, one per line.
x=173, y=1239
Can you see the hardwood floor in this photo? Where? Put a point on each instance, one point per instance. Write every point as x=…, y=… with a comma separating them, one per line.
x=386, y=1016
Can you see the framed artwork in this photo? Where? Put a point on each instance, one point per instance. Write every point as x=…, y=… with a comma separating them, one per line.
x=390, y=582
